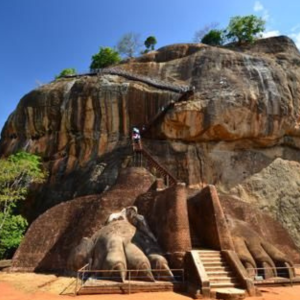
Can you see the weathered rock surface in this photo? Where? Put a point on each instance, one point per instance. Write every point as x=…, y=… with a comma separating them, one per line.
x=53, y=236
x=239, y=131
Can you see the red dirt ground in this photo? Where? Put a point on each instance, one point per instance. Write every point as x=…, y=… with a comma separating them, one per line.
x=29, y=286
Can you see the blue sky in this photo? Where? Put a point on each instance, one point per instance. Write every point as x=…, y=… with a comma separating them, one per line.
x=39, y=38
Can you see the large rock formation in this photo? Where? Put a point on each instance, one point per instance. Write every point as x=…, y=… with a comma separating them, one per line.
x=239, y=131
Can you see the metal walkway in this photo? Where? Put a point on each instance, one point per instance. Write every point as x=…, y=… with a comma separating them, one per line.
x=155, y=82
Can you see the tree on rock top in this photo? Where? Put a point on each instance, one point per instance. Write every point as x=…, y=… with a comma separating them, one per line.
x=245, y=29
x=214, y=37
x=104, y=58
x=150, y=42
x=199, y=34
x=129, y=44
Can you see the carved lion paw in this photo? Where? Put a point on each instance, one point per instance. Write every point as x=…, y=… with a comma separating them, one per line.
x=120, y=247
x=258, y=256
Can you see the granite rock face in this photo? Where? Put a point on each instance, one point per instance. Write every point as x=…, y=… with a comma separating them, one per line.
x=239, y=131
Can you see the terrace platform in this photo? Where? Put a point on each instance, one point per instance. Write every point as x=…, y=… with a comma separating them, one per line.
x=96, y=286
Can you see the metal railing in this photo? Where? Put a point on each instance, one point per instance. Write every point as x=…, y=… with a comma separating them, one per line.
x=96, y=278
x=143, y=158
x=133, y=76
x=286, y=272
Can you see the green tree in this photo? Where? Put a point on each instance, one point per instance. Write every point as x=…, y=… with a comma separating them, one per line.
x=214, y=37
x=104, y=58
x=199, y=34
x=17, y=173
x=129, y=44
x=245, y=29
x=150, y=42
x=66, y=72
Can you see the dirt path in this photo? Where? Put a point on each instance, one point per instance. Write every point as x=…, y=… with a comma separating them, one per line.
x=30, y=286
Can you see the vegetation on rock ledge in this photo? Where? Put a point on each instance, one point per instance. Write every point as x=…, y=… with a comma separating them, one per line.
x=66, y=72
x=105, y=58
x=240, y=29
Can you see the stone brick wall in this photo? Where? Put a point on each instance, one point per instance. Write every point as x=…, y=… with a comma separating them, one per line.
x=207, y=220
x=167, y=216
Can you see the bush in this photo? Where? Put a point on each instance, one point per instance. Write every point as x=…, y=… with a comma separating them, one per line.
x=214, y=38
x=105, y=58
x=11, y=234
x=65, y=72
x=150, y=43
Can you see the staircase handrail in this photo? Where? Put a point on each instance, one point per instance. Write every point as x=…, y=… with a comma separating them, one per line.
x=158, y=115
x=133, y=76
x=201, y=273
x=235, y=263
x=182, y=97
x=162, y=170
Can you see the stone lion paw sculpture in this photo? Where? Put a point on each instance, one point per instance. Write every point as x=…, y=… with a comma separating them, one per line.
x=124, y=243
x=239, y=230
x=255, y=252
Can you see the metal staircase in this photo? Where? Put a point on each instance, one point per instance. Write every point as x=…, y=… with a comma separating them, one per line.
x=142, y=158
x=160, y=114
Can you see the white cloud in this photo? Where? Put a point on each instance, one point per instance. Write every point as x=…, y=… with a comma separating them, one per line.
x=270, y=33
x=296, y=38
x=258, y=6
x=266, y=15
x=295, y=28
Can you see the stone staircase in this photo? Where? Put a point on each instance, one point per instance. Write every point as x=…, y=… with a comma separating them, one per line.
x=217, y=269
x=217, y=279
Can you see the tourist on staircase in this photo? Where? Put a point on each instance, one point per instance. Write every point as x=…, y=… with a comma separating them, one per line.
x=136, y=139
x=136, y=147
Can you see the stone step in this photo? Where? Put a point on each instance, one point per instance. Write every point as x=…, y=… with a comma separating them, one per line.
x=204, y=255
x=217, y=269
x=214, y=259
x=227, y=273
x=223, y=284
x=229, y=293
x=223, y=279
x=208, y=251
x=214, y=264
x=211, y=269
